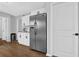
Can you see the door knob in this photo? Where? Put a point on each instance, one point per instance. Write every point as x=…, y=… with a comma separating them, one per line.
x=76, y=34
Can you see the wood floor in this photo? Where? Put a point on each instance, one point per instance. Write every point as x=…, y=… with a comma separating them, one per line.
x=16, y=50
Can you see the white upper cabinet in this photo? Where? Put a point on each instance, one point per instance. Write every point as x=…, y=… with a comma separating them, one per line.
x=25, y=22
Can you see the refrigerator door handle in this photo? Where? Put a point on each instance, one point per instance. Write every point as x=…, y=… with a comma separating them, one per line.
x=32, y=26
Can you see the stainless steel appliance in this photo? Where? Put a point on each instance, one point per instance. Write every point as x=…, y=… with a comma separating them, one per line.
x=38, y=32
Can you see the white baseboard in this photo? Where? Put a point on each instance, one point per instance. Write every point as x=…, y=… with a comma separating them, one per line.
x=49, y=55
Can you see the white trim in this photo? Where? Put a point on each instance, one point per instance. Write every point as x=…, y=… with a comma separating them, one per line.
x=76, y=29
x=50, y=55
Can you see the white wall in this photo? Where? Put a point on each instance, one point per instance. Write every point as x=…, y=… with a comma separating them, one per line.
x=49, y=30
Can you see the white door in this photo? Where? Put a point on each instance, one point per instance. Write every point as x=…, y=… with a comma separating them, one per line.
x=64, y=26
x=4, y=28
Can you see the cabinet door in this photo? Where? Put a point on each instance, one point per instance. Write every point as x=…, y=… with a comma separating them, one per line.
x=24, y=39
x=19, y=36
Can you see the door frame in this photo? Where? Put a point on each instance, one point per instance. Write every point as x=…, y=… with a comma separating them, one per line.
x=76, y=26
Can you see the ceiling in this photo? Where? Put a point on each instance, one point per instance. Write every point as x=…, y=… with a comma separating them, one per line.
x=20, y=8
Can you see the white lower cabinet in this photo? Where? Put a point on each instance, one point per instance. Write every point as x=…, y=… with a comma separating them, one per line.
x=23, y=38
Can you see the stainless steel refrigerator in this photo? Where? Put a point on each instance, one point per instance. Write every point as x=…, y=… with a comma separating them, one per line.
x=38, y=32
